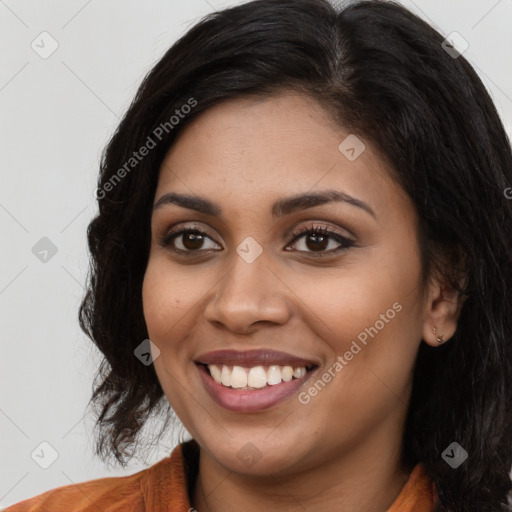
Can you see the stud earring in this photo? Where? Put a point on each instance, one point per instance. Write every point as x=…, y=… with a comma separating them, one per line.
x=439, y=337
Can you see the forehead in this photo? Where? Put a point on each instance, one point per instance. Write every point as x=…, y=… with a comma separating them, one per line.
x=251, y=151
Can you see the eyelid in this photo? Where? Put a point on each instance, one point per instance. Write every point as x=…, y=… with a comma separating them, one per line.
x=173, y=231
x=316, y=227
x=295, y=235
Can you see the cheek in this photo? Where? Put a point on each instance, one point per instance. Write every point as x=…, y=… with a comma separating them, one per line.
x=372, y=326
x=166, y=300
x=343, y=303
x=371, y=314
x=167, y=304
x=154, y=301
x=173, y=298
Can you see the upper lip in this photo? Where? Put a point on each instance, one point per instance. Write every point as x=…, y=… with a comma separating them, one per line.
x=263, y=357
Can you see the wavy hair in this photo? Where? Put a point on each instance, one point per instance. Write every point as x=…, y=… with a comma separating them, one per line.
x=381, y=72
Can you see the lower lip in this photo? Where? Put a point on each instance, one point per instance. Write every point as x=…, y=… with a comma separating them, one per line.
x=247, y=400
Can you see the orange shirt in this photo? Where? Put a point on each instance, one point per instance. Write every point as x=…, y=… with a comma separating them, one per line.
x=165, y=487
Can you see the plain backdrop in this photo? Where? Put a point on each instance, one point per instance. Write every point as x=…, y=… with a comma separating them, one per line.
x=57, y=114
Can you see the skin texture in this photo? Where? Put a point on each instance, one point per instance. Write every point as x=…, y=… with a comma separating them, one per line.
x=341, y=450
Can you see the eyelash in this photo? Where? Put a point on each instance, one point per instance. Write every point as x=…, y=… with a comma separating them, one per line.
x=345, y=242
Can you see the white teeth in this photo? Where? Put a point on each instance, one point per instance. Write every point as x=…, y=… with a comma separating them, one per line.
x=287, y=373
x=238, y=377
x=256, y=377
x=299, y=372
x=226, y=376
x=216, y=373
x=274, y=375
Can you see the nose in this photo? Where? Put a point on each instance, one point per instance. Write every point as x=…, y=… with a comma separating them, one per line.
x=249, y=294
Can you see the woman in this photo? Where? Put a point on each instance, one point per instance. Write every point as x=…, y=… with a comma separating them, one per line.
x=305, y=210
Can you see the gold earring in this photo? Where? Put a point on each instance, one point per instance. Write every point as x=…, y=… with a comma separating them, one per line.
x=439, y=337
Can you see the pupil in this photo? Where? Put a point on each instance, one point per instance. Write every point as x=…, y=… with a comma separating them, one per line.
x=323, y=240
x=193, y=241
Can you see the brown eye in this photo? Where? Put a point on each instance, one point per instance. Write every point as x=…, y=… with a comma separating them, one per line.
x=186, y=240
x=317, y=240
x=192, y=241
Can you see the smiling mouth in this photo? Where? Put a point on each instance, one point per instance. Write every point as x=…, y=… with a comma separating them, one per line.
x=256, y=377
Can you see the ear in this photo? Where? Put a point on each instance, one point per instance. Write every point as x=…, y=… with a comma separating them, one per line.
x=442, y=311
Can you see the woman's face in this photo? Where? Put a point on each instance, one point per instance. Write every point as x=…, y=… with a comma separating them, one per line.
x=353, y=310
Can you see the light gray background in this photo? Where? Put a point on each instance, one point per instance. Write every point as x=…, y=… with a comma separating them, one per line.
x=56, y=116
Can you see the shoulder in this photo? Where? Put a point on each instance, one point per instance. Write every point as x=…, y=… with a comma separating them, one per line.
x=418, y=494
x=163, y=486
x=114, y=494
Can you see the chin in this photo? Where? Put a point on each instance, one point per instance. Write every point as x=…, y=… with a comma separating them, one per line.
x=258, y=458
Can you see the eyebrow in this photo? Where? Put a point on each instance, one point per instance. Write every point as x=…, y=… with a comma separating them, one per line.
x=280, y=208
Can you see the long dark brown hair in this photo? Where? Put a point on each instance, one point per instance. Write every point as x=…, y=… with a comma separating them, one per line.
x=380, y=72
